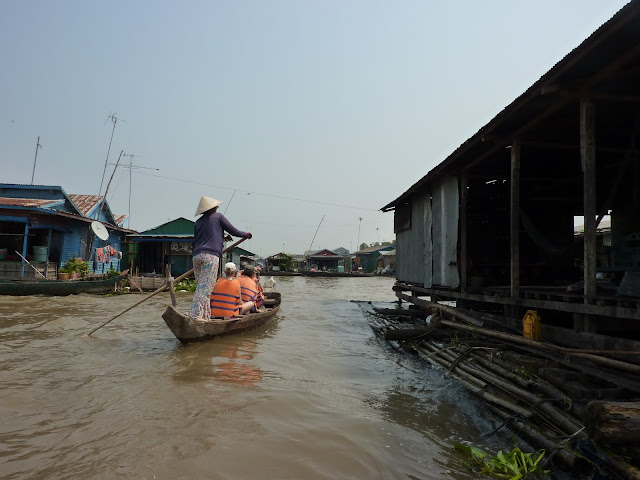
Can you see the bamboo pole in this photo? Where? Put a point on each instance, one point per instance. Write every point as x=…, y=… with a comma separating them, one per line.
x=161, y=289
x=609, y=362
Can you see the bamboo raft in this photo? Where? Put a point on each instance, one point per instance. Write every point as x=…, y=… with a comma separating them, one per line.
x=581, y=406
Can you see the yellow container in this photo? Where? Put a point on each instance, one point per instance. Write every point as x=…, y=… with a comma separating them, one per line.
x=532, y=325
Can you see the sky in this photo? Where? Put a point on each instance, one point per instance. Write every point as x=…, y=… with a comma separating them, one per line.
x=304, y=117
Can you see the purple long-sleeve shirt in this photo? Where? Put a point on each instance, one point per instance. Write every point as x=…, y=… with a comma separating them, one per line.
x=209, y=233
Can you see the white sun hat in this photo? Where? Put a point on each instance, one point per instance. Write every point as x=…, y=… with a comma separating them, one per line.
x=207, y=203
x=229, y=266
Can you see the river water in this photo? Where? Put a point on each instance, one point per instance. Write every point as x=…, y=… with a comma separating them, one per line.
x=313, y=395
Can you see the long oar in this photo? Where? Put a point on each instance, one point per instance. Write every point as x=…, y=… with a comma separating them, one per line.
x=37, y=271
x=162, y=288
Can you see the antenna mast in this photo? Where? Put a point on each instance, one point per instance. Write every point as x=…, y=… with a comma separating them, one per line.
x=35, y=159
x=114, y=120
x=314, y=237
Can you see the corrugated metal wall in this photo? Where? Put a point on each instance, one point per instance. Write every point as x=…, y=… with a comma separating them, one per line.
x=74, y=244
x=410, y=246
x=427, y=252
x=444, y=232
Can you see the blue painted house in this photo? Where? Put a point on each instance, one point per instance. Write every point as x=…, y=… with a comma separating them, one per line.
x=47, y=226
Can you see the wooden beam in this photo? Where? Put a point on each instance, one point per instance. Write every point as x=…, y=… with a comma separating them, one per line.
x=588, y=160
x=602, y=311
x=515, y=219
x=623, y=59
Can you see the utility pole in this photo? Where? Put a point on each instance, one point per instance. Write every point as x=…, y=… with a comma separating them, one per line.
x=35, y=159
x=378, y=233
x=358, y=245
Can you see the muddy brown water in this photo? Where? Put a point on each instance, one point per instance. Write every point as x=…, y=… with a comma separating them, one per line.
x=314, y=395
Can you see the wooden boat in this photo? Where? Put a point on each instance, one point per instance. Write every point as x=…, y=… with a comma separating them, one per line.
x=278, y=273
x=59, y=287
x=309, y=273
x=186, y=329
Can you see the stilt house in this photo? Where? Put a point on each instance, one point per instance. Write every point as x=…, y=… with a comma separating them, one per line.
x=492, y=226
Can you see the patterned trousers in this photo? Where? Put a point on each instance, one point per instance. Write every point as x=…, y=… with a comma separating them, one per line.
x=205, y=269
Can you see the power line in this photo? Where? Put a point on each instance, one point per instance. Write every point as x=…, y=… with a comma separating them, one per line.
x=257, y=193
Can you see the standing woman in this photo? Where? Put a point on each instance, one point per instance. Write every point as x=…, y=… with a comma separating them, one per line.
x=207, y=248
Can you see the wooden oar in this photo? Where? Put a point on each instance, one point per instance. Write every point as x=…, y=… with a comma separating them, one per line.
x=162, y=288
x=37, y=271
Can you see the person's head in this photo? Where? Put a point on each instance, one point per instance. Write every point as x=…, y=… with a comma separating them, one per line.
x=249, y=270
x=207, y=204
x=230, y=269
x=258, y=270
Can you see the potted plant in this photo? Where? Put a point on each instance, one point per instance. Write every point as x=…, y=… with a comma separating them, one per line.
x=74, y=268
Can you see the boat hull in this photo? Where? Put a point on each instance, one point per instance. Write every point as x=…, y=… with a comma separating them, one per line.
x=187, y=330
x=58, y=287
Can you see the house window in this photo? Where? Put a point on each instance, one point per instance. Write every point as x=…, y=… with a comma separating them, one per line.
x=402, y=218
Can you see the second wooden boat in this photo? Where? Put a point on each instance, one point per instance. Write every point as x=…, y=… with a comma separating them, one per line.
x=59, y=287
x=309, y=273
x=186, y=329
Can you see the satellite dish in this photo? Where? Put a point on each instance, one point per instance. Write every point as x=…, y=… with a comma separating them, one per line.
x=100, y=230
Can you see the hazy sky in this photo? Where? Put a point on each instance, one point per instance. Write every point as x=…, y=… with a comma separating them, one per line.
x=292, y=112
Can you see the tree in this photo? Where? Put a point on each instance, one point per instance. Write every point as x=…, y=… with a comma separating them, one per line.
x=286, y=262
x=363, y=246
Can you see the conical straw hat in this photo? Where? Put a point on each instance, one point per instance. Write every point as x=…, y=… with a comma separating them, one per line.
x=207, y=203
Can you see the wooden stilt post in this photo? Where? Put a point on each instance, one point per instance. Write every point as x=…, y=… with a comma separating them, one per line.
x=588, y=160
x=515, y=219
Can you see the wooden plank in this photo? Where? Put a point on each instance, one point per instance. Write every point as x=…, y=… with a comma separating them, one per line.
x=515, y=219
x=601, y=310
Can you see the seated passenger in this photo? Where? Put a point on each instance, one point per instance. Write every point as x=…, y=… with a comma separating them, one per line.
x=248, y=288
x=260, y=297
x=226, y=300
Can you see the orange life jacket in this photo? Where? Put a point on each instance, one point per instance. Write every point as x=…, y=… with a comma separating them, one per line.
x=248, y=289
x=225, y=298
x=260, y=296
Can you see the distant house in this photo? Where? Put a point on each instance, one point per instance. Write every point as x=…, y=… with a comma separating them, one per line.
x=171, y=244
x=274, y=262
x=47, y=226
x=341, y=251
x=367, y=258
x=386, y=261
x=325, y=260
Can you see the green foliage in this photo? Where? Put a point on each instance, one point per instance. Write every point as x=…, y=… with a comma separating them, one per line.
x=286, y=263
x=112, y=272
x=363, y=246
x=513, y=465
x=75, y=264
x=187, y=285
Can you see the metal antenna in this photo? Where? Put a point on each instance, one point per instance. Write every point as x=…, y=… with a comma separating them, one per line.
x=131, y=166
x=114, y=120
x=225, y=210
x=314, y=237
x=35, y=159
x=358, y=245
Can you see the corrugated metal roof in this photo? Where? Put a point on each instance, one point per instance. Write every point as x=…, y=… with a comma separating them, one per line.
x=374, y=249
x=85, y=203
x=26, y=202
x=615, y=39
x=120, y=218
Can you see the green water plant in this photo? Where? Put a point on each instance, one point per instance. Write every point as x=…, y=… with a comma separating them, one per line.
x=513, y=465
x=187, y=285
